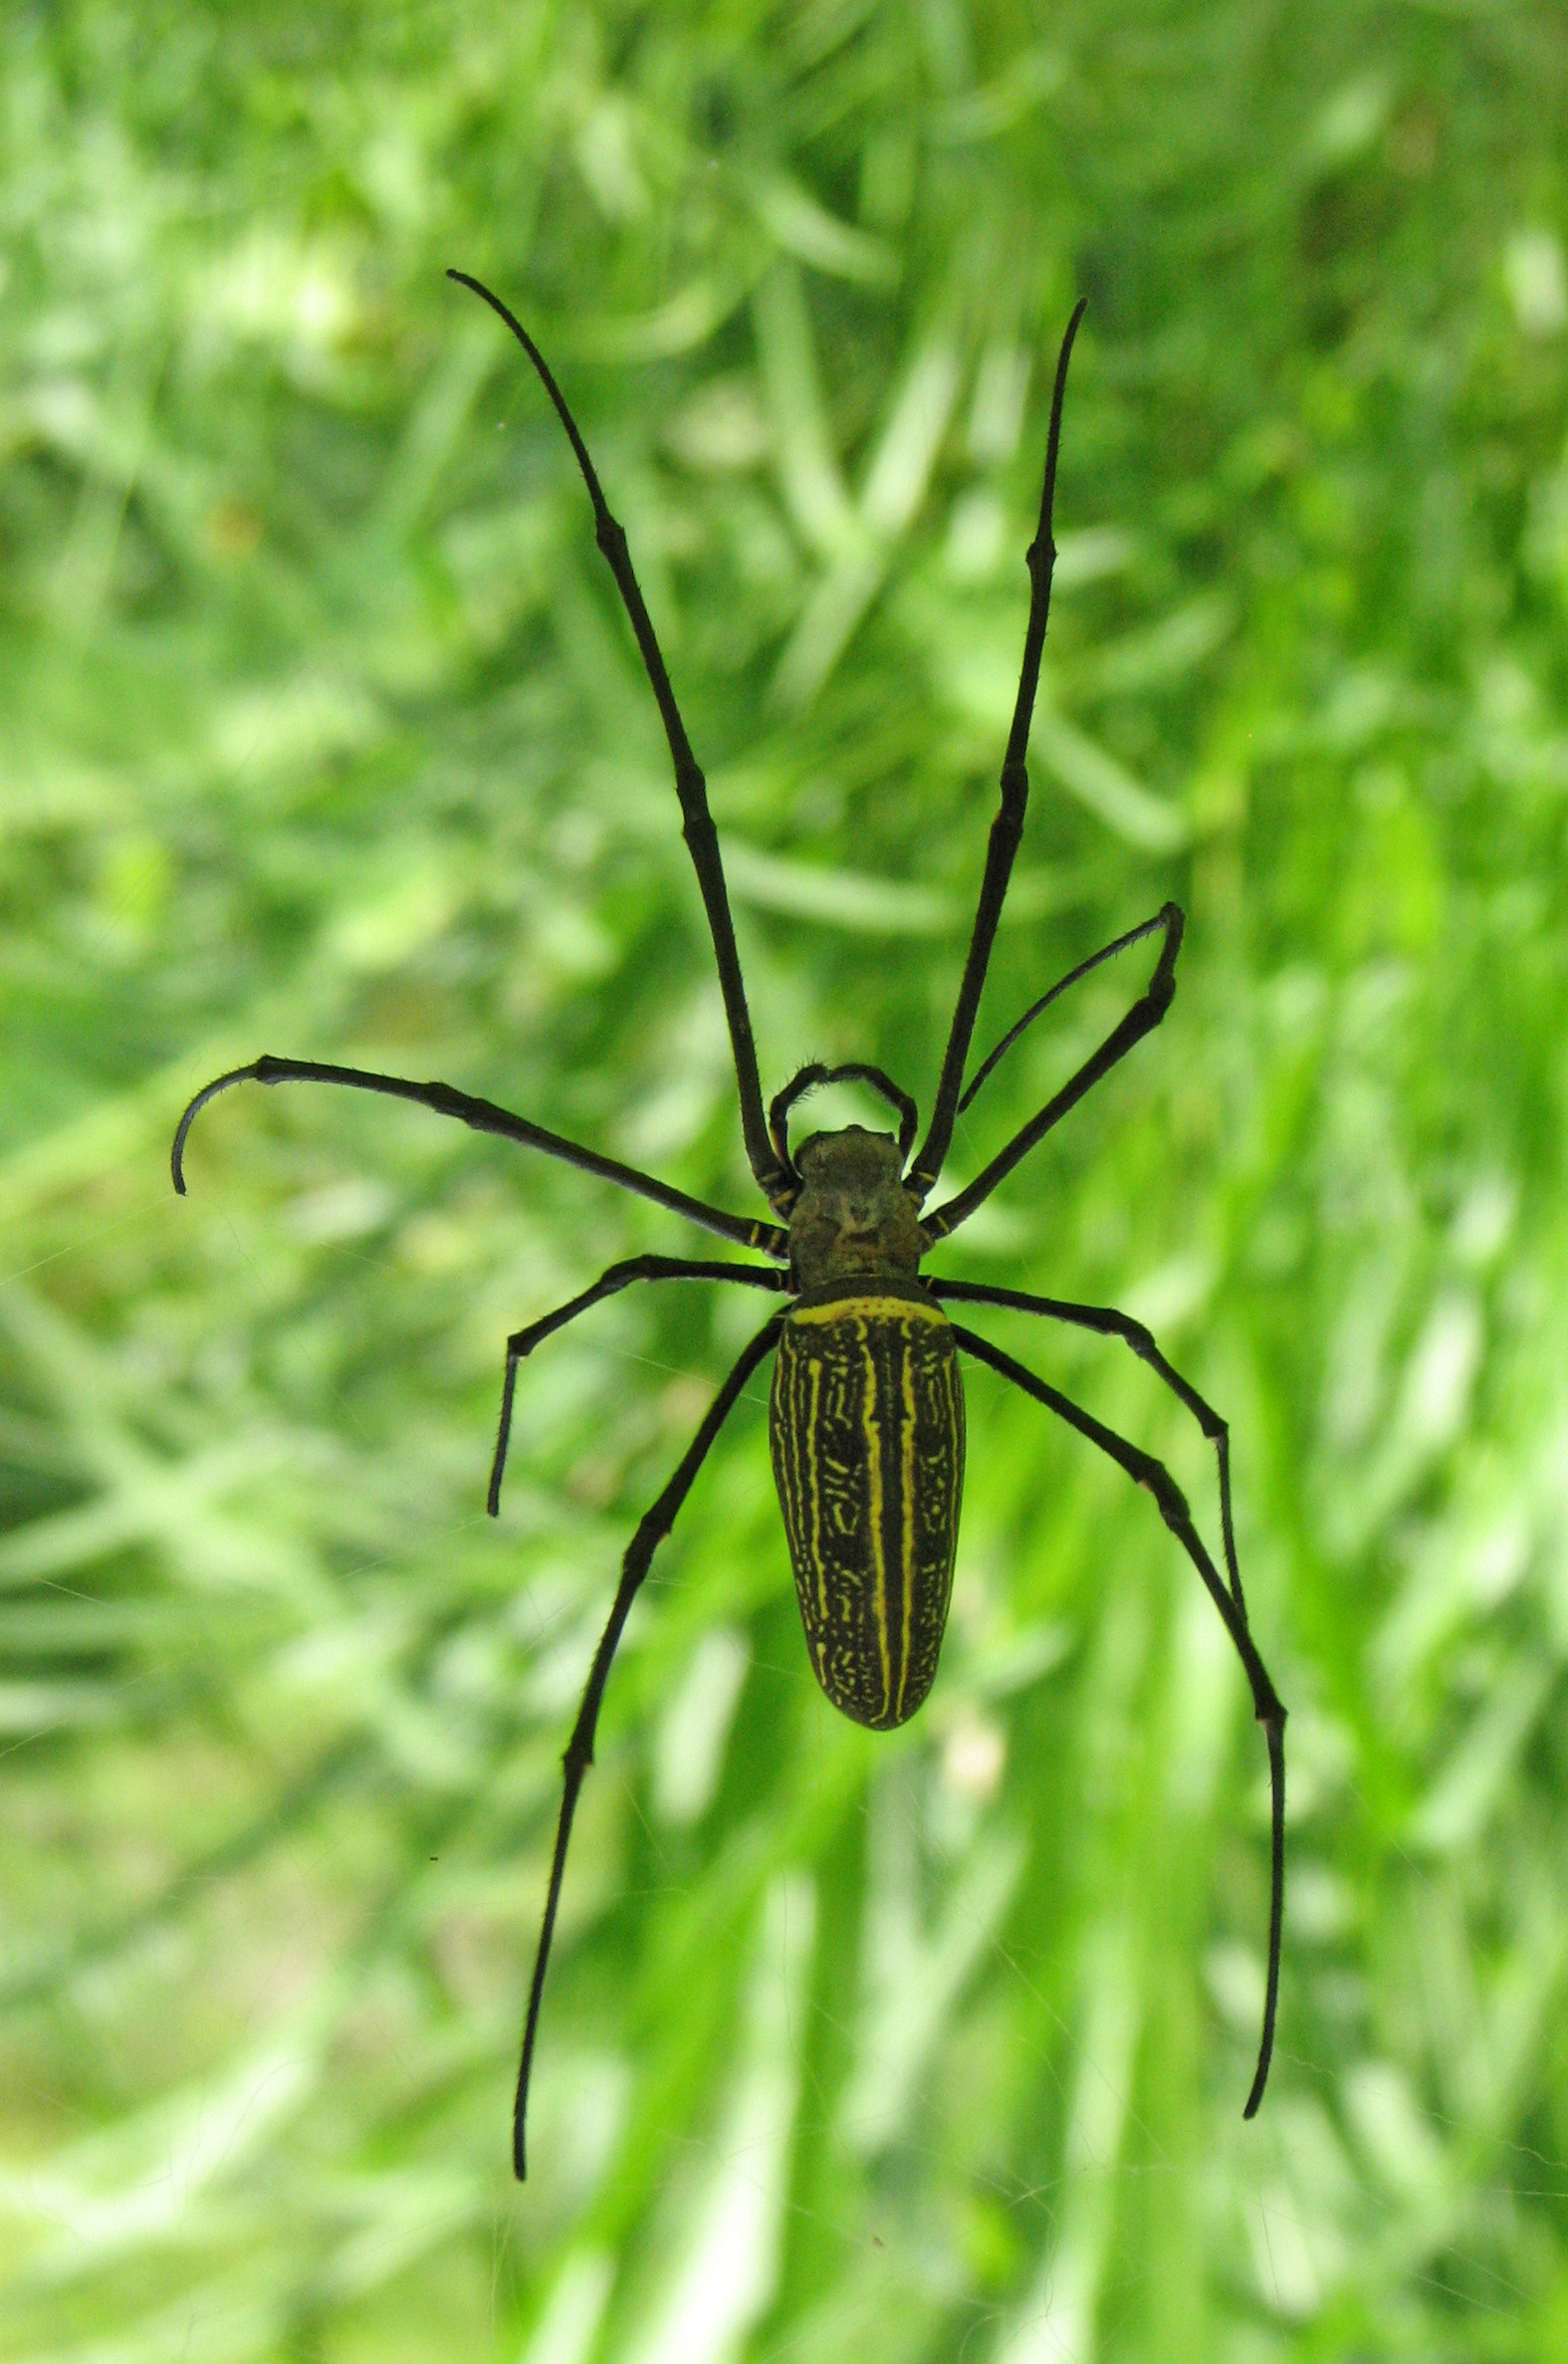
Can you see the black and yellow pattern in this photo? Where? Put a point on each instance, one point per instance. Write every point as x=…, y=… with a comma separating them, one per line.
x=867, y=1431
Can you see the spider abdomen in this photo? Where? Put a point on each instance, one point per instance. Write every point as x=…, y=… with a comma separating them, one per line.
x=866, y=1426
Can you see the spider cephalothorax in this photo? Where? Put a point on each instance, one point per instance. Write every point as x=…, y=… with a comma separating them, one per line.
x=853, y=1217
x=866, y=1421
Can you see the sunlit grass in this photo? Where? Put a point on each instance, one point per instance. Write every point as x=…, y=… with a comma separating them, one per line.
x=323, y=736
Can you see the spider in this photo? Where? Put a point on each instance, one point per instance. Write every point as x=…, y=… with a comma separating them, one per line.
x=866, y=1417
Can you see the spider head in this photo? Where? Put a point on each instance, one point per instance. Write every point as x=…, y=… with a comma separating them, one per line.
x=853, y=1218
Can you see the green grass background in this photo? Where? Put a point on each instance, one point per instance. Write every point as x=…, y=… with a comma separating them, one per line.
x=324, y=735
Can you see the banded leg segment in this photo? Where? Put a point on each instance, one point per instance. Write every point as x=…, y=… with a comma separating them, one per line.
x=690, y=787
x=1007, y=828
x=1108, y=1322
x=481, y=1116
x=1173, y=1508
x=1142, y=1019
x=654, y=1526
x=619, y=1275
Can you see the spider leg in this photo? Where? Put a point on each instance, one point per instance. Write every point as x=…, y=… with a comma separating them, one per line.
x=1007, y=828
x=484, y=1117
x=696, y=828
x=1142, y=1019
x=1108, y=1322
x=1134, y=935
x=1173, y=1508
x=654, y=1526
x=619, y=1275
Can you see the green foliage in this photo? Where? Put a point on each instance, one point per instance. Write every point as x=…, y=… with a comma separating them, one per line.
x=323, y=736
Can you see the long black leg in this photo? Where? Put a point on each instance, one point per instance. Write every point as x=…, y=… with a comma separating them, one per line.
x=1172, y=1504
x=1134, y=935
x=1109, y=1323
x=696, y=828
x=1142, y=1019
x=484, y=1117
x=1007, y=828
x=619, y=1275
x=580, y=1749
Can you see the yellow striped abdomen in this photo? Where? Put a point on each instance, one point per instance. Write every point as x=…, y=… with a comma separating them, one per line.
x=866, y=1426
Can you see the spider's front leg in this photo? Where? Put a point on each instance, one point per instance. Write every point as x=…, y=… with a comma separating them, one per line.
x=1007, y=829
x=691, y=788
x=481, y=1116
x=1142, y=1019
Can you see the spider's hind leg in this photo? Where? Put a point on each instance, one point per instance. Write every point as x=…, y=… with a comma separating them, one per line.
x=654, y=1526
x=1173, y=1508
x=1107, y=1321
